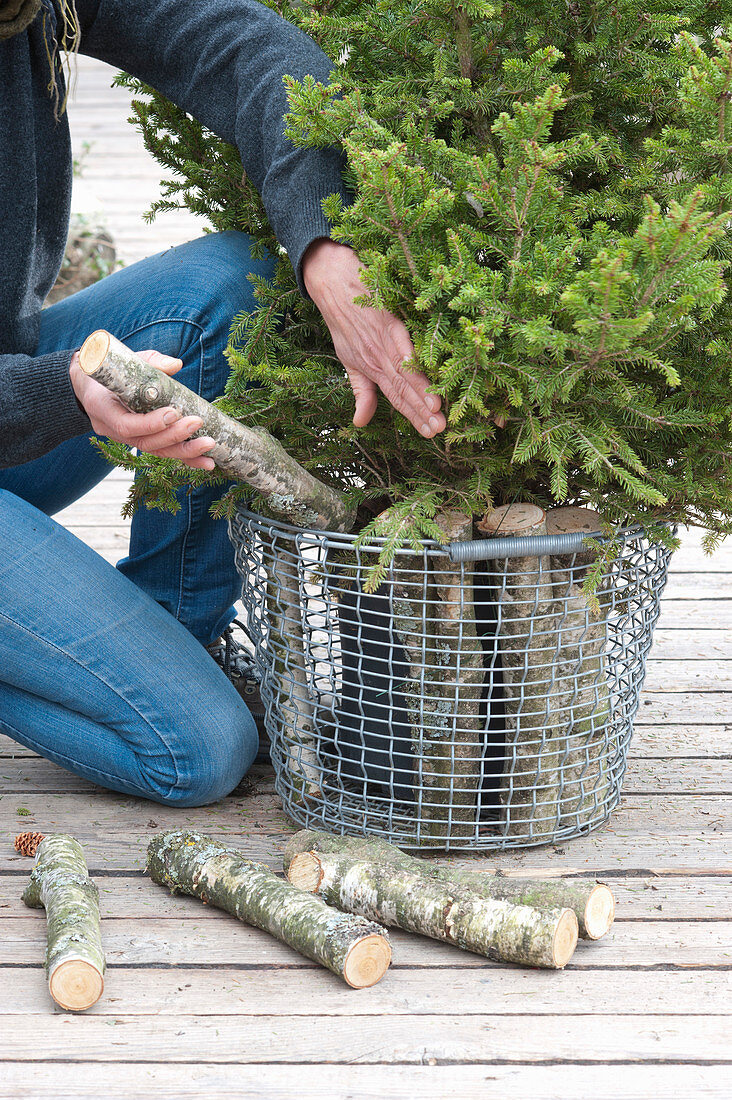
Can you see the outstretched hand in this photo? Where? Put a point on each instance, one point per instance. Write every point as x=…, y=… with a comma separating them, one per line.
x=163, y=432
x=372, y=344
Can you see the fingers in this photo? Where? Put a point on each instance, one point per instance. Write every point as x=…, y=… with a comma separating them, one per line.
x=406, y=390
x=192, y=452
x=173, y=437
x=366, y=394
x=168, y=364
x=129, y=427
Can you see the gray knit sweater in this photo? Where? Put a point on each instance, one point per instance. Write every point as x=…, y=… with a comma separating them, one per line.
x=221, y=60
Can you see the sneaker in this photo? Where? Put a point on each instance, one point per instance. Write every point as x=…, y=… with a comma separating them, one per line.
x=237, y=663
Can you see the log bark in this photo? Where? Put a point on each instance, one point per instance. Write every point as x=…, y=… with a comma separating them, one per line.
x=454, y=914
x=592, y=902
x=434, y=618
x=459, y=673
x=355, y=949
x=286, y=647
x=251, y=455
x=527, y=643
x=583, y=700
x=60, y=884
x=413, y=617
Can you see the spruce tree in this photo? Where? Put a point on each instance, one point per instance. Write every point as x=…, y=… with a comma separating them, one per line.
x=542, y=193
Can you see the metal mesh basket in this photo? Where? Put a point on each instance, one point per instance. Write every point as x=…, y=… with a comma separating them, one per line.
x=475, y=700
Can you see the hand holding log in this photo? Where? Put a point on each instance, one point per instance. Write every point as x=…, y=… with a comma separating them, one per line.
x=251, y=455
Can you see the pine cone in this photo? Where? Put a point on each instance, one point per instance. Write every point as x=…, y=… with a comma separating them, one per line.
x=27, y=843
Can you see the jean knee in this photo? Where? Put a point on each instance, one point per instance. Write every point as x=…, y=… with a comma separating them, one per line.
x=222, y=263
x=214, y=757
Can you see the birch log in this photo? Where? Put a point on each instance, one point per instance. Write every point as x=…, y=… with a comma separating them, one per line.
x=286, y=649
x=592, y=902
x=60, y=884
x=355, y=949
x=413, y=622
x=247, y=454
x=457, y=725
x=527, y=642
x=407, y=899
x=583, y=697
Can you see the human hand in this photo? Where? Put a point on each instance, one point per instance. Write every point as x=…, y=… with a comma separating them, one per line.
x=372, y=344
x=162, y=432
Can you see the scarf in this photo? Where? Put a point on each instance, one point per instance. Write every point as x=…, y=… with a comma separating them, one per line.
x=16, y=15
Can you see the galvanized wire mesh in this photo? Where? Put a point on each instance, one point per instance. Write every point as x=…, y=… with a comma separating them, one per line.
x=473, y=704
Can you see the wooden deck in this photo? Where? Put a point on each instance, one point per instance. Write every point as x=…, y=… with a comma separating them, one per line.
x=198, y=1005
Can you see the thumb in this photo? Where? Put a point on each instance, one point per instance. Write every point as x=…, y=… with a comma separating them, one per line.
x=367, y=396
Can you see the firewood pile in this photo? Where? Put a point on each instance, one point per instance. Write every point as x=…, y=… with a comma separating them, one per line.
x=339, y=896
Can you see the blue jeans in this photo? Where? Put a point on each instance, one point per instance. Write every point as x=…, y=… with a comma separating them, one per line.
x=100, y=669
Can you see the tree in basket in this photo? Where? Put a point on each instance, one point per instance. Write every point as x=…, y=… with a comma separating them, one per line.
x=542, y=193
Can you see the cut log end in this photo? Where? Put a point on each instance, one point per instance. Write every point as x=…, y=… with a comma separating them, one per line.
x=94, y=351
x=565, y=938
x=367, y=962
x=512, y=519
x=76, y=984
x=306, y=872
x=600, y=912
x=572, y=518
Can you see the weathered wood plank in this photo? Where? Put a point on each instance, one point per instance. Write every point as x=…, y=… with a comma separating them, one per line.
x=671, y=834
x=227, y=942
x=670, y=741
x=60, y=1081
x=664, y=741
x=689, y=676
x=677, y=645
x=637, y=899
x=393, y=1040
x=679, y=776
x=402, y=992
x=678, y=708
x=697, y=586
x=688, y=777
x=691, y=617
x=690, y=558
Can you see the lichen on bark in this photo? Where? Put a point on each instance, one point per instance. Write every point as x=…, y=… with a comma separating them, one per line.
x=187, y=862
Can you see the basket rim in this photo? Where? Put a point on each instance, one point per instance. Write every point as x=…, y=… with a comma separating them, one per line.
x=474, y=550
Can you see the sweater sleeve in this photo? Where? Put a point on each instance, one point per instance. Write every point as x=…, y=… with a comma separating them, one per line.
x=224, y=61
x=38, y=406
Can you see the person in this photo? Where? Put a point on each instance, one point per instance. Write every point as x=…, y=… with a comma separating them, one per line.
x=102, y=670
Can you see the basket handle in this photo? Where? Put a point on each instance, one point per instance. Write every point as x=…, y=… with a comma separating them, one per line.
x=518, y=547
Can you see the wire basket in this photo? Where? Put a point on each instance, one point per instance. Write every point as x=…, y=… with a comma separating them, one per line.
x=475, y=700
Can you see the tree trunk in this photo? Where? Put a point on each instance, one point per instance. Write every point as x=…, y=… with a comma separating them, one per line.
x=527, y=643
x=407, y=899
x=459, y=672
x=353, y=948
x=248, y=454
x=583, y=696
x=592, y=902
x=60, y=884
